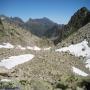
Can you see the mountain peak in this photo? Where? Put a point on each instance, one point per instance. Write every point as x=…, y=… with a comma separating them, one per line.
x=84, y=9
x=43, y=19
x=17, y=19
x=81, y=17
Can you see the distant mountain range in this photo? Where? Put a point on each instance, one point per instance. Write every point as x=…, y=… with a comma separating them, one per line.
x=61, y=52
x=39, y=26
x=13, y=30
x=35, y=26
x=45, y=28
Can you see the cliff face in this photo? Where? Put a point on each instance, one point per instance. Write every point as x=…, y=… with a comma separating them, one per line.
x=39, y=26
x=1, y=29
x=78, y=20
x=45, y=28
x=1, y=25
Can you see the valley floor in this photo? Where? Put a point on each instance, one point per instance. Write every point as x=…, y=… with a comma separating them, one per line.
x=49, y=66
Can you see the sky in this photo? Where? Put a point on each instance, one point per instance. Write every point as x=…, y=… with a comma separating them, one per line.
x=58, y=11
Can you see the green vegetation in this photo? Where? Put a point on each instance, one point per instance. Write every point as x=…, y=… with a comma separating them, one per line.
x=70, y=82
x=7, y=85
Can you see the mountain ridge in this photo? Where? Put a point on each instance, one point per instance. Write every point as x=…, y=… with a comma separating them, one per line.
x=78, y=20
x=47, y=29
x=50, y=69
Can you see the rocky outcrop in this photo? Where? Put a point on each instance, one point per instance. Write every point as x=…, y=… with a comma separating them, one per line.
x=39, y=26
x=1, y=25
x=78, y=20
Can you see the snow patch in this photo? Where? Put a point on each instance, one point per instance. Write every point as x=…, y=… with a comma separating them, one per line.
x=79, y=72
x=28, y=47
x=5, y=80
x=2, y=18
x=6, y=45
x=34, y=48
x=80, y=49
x=15, y=60
x=20, y=47
x=47, y=48
x=88, y=63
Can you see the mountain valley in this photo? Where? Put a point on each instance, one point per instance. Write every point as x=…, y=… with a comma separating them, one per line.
x=42, y=55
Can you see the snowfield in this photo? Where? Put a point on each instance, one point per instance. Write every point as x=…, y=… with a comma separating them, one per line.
x=79, y=72
x=6, y=45
x=15, y=60
x=80, y=49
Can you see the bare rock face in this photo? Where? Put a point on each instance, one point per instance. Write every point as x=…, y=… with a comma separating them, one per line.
x=78, y=20
x=39, y=26
x=1, y=25
x=4, y=72
x=77, y=37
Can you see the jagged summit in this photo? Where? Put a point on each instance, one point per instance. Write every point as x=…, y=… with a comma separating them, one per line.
x=78, y=20
x=39, y=26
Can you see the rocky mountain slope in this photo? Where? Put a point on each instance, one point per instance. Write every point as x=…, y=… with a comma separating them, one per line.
x=76, y=37
x=13, y=20
x=36, y=26
x=32, y=67
x=55, y=34
x=1, y=28
x=11, y=31
x=48, y=69
x=39, y=26
x=45, y=28
x=78, y=20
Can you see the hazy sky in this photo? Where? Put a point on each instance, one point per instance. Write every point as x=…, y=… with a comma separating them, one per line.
x=59, y=11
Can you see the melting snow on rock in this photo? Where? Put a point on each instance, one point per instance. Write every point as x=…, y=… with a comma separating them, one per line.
x=6, y=45
x=5, y=80
x=15, y=60
x=80, y=49
x=79, y=72
x=20, y=47
x=47, y=48
x=34, y=48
